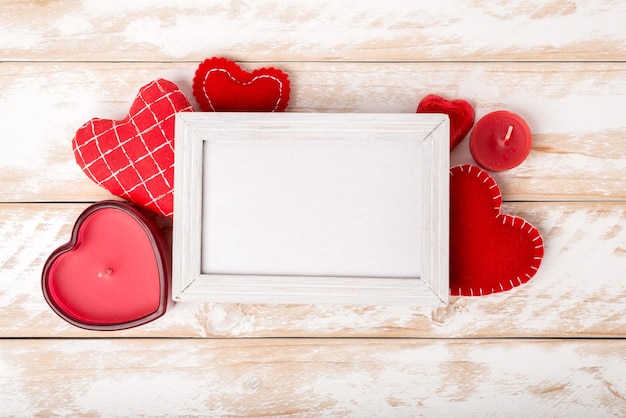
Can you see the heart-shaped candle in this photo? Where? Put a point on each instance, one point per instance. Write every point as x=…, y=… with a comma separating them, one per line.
x=489, y=251
x=220, y=85
x=461, y=115
x=113, y=273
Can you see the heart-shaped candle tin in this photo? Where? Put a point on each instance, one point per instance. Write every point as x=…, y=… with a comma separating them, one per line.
x=113, y=273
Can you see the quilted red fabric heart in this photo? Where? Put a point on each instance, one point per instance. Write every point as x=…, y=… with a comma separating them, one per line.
x=220, y=85
x=133, y=158
x=489, y=251
x=461, y=115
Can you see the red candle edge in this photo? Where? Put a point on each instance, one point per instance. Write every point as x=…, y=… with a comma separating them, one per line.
x=160, y=249
x=472, y=141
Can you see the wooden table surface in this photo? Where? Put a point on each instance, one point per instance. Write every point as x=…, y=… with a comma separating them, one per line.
x=552, y=347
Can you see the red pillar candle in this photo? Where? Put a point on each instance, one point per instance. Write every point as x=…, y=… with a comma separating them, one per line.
x=500, y=141
x=113, y=273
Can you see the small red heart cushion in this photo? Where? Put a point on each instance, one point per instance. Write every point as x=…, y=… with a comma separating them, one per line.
x=461, y=115
x=113, y=273
x=489, y=251
x=133, y=158
x=220, y=85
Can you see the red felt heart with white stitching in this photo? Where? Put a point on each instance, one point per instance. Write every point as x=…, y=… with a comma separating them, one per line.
x=220, y=85
x=489, y=251
x=133, y=158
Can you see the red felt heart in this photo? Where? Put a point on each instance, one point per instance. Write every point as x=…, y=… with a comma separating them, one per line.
x=133, y=158
x=461, y=115
x=489, y=251
x=220, y=85
x=113, y=273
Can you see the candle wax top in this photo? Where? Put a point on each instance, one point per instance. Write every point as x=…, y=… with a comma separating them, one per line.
x=500, y=141
x=111, y=273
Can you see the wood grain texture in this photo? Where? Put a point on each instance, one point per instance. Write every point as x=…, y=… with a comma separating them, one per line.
x=561, y=64
x=575, y=111
x=313, y=377
x=88, y=30
x=580, y=289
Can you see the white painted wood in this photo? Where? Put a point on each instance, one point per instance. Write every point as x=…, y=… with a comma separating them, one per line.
x=574, y=110
x=386, y=174
x=559, y=64
x=578, y=291
x=328, y=30
x=313, y=377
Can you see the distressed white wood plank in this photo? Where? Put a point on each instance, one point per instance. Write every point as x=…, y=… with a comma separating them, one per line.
x=92, y=30
x=580, y=289
x=574, y=108
x=575, y=111
x=313, y=377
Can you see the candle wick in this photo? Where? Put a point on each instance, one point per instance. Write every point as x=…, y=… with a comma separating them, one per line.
x=508, y=133
x=105, y=273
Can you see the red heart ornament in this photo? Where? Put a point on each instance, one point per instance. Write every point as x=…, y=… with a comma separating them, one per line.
x=220, y=85
x=113, y=273
x=133, y=158
x=461, y=115
x=489, y=251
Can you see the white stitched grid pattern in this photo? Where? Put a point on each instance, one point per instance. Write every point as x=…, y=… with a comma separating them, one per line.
x=134, y=158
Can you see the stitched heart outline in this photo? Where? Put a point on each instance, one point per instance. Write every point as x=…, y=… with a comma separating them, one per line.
x=220, y=85
x=490, y=251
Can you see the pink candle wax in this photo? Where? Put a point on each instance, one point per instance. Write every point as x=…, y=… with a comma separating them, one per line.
x=112, y=274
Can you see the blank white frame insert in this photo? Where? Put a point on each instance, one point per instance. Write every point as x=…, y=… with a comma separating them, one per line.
x=311, y=208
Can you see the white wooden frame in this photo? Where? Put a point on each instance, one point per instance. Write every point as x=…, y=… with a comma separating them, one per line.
x=430, y=133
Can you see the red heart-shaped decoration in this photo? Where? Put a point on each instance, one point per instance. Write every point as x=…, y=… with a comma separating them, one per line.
x=489, y=251
x=220, y=85
x=113, y=273
x=133, y=158
x=461, y=115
